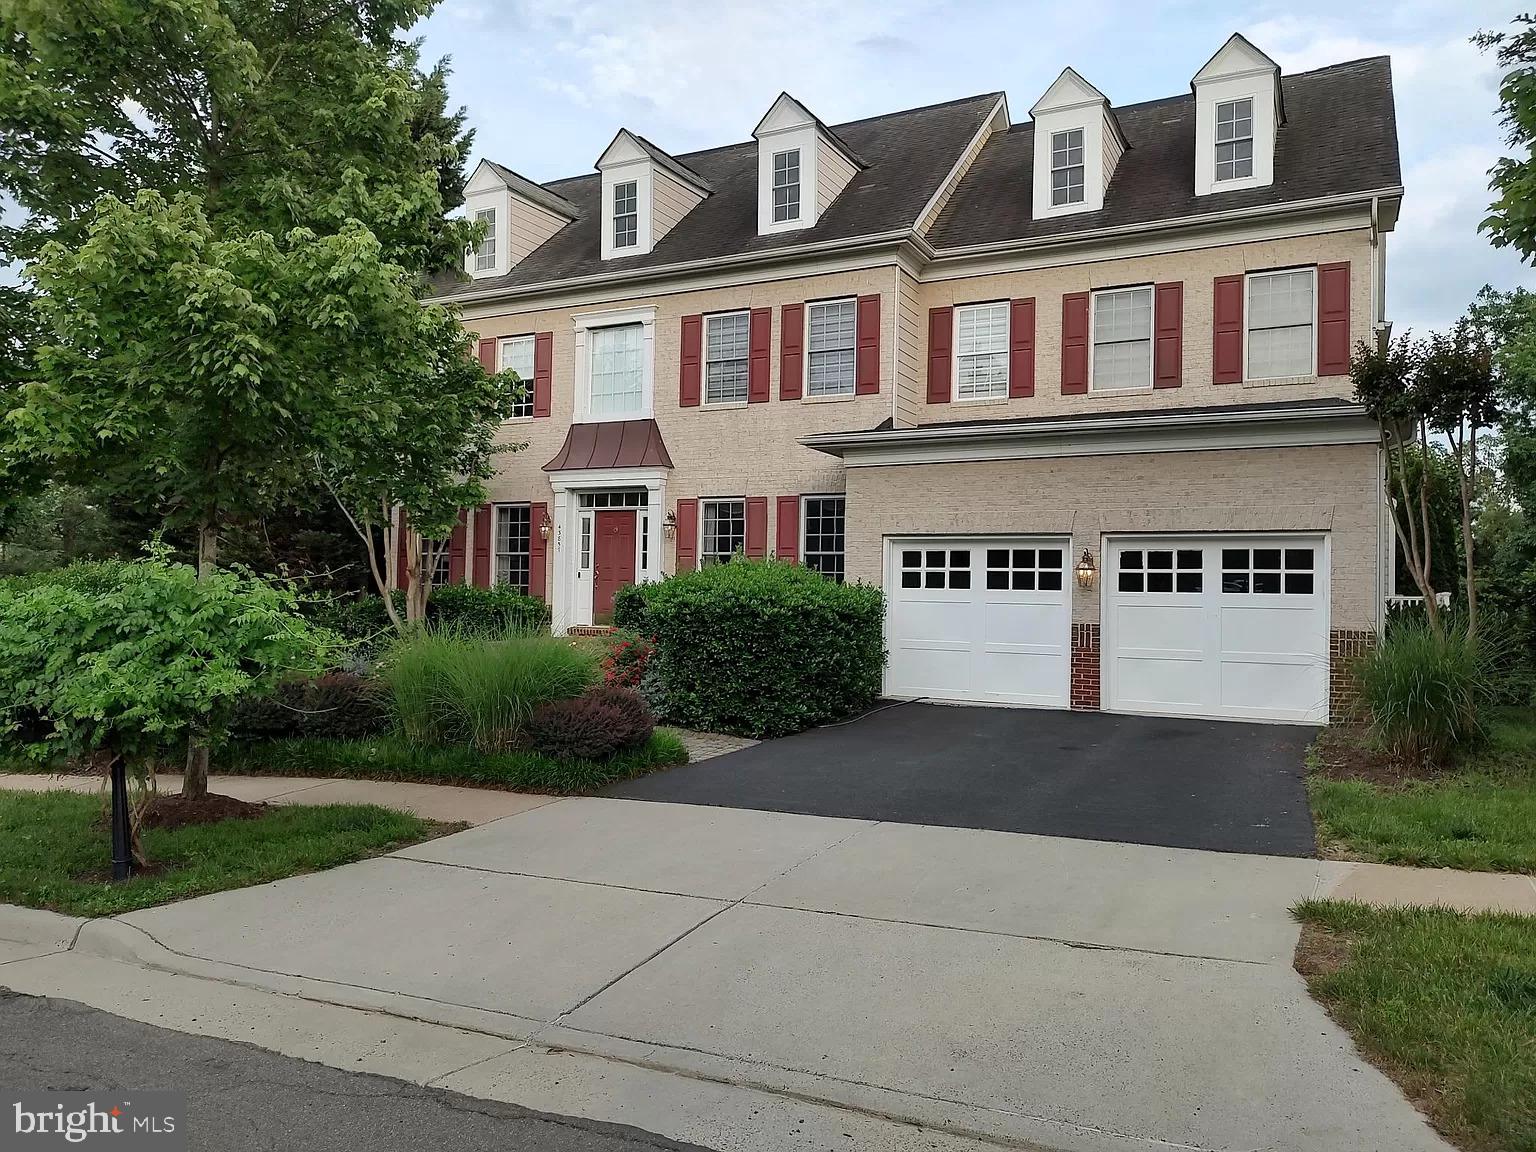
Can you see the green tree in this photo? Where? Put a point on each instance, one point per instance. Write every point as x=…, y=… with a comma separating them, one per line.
x=1511, y=220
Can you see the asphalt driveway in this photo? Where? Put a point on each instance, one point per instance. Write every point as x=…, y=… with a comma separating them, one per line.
x=1217, y=785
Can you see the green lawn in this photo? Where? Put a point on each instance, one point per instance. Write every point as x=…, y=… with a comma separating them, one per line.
x=1444, y=1002
x=1481, y=816
x=53, y=845
x=389, y=758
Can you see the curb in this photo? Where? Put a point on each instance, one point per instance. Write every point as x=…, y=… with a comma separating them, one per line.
x=37, y=928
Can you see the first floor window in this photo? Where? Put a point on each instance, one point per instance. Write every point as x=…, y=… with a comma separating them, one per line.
x=617, y=371
x=823, y=549
x=1067, y=167
x=1280, y=315
x=1122, y=338
x=725, y=358
x=513, y=524
x=1234, y=139
x=725, y=530
x=517, y=354
x=485, y=251
x=981, y=352
x=786, y=185
x=831, y=327
x=441, y=569
x=626, y=215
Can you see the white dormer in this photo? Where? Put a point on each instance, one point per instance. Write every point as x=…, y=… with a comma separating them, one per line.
x=645, y=193
x=1237, y=111
x=1077, y=145
x=518, y=215
x=801, y=167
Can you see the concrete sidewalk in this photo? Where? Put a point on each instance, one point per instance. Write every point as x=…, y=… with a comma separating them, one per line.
x=982, y=986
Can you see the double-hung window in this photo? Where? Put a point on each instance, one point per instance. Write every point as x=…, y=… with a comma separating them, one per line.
x=725, y=530
x=786, y=186
x=617, y=372
x=725, y=358
x=981, y=352
x=830, y=347
x=1067, y=167
x=513, y=528
x=485, y=251
x=517, y=354
x=1281, y=312
x=1234, y=139
x=823, y=549
x=1122, y=339
x=442, y=563
x=626, y=215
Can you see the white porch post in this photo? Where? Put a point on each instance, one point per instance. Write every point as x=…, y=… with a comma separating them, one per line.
x=560, y=595
x=656, y=508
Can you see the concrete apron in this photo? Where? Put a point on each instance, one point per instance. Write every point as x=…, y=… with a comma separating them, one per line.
x=983, y=986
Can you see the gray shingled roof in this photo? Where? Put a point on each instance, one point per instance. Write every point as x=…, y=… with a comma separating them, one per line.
x=1340, y=136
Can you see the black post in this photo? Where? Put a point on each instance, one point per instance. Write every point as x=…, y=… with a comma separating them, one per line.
x=122, y=844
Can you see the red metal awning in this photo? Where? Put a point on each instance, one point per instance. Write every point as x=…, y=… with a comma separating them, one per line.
x=613, y=444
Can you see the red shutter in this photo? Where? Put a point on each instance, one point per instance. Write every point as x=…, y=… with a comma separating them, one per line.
x=480, y=574
x=456, y=543
x=1227, y=324
x=757, y=527
x=759, y=346
x=867, y=377
x=1168, y=336
x=537, y=547
x=690, y=361
x=488, y=354
x=786, y=545
x=543, y=371
x=1074, y=344
x=402, y=553
x=1021, y=349
x=791, y=351
x=1333, y=319
x=941, y=336
x=687, y=535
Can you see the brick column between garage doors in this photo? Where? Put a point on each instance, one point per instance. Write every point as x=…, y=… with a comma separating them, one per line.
x=1085, y=667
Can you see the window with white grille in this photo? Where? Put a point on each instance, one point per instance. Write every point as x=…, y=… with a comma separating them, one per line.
x=981, y=352
x=831, y=329
x=1280, y=314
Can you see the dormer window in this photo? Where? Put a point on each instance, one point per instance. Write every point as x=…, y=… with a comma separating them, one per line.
x=1067, y=167
x=626, y=214
x=786, y=185
x=485, y=251
x=1234, y=139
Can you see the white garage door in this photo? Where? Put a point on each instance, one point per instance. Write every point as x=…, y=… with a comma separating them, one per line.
x=979, y=618
x=1225, y=626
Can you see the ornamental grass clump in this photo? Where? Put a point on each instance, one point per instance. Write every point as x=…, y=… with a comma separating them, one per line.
x=1423, y=689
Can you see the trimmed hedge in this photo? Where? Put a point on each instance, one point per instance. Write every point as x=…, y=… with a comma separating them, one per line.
x=462, y=608
x=760, y=648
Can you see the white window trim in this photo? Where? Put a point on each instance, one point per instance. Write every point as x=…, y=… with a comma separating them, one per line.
x=582, y=324
x=496, y=508
x=799, y=185
x=642, y=174
x=1252, y=138
x=806, y=138
x=704, y=400
x=1248, y=277
x=1093, y=312
x=1068, y=204
x=613, y=214
x=698, y=553
x=490, y=238
x=805, y=343
x=805, y=500
x=501, y=366
x=954, y=344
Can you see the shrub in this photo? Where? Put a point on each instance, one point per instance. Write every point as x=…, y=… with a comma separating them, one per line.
x=1423, y=692
x=450, y=687
x=335, y=706
x=487, y=611
x=594, y=726
x=627, y=659
x=761, y=648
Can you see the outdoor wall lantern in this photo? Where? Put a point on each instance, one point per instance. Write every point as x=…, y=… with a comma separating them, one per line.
x=1086, y=570
x=669, y=525
x=546, y=526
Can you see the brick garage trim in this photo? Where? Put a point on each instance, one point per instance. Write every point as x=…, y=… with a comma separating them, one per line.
x=1345, y=646
x=1085, y=667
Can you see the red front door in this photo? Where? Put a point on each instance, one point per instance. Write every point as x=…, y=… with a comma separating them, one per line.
x=614, y=557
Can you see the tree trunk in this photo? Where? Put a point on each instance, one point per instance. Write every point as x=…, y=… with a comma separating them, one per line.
x=194, y=784
x=1468, y=469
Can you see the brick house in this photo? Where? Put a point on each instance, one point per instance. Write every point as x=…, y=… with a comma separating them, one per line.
x=1073, y=391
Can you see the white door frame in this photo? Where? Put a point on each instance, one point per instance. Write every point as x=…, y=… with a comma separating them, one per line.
x=1108, y=686
x=570, y=602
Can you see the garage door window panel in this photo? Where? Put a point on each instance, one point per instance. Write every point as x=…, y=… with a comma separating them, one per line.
x=936, y=568
x=1268, y=571
x=1024, y=569
x=1162, y=570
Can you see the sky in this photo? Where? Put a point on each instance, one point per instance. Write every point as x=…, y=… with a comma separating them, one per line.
x=547, y=83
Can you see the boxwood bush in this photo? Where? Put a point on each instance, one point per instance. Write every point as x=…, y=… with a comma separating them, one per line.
x=760, y=648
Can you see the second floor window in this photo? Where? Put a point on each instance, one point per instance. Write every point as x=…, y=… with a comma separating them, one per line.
x=725, y=530
x=1067, y=167
x=786, y=185
x=513, y=523
x=1122, y=339
x=517, y=354
x=485, y=251
x=830, y=347
x=725, y=356
x=617, y=372
x=1234, y=139
x=626, y=215
x=981, y=352
x=1280, y=316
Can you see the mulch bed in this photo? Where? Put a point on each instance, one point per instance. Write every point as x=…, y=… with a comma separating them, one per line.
x=179, y=811
x=1345, y=753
